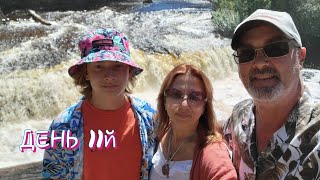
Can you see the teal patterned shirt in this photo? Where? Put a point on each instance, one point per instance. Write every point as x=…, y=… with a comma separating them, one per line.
x=67, y=164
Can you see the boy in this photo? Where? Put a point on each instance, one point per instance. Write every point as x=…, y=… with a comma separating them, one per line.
x=123, y=123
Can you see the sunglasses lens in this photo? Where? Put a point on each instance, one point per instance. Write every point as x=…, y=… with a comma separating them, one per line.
x=174, y=94
x=194, y=98
x=245, y=55
x=276, y=49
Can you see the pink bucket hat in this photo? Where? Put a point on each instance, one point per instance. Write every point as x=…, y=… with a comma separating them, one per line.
x=104, y=45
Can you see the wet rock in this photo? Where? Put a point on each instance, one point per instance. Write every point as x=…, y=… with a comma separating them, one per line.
x=147, y=1
x=25, y=171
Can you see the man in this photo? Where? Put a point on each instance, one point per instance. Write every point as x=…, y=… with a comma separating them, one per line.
x=115, y=130
x=274, y=135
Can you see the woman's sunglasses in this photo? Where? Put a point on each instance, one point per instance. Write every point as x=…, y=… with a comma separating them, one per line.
x=272, y=50
x=194, y=98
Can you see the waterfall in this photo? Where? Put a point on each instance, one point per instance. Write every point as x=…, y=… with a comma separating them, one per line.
x=34, y=59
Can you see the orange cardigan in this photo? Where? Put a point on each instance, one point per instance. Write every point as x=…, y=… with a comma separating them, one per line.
x=212, y=163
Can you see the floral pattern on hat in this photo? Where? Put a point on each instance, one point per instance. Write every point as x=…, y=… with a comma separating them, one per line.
x=116, y=48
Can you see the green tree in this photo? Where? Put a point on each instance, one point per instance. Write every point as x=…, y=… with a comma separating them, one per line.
x=227, y=14
x=280, y=5
x=305, y=13
x=246, y=7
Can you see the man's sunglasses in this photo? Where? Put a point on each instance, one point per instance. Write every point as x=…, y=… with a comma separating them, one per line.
x=272, y=50
x=194, y=98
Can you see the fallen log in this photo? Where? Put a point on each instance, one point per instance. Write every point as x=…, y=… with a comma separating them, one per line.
x=38, y=18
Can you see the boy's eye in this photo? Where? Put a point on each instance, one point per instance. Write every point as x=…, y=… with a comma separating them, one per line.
x=118, y=66
x=98, y=66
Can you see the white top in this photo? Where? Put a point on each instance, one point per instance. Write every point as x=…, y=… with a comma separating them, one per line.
x=179, y=170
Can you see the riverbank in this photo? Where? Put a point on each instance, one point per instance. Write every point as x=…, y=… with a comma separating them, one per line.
x=31, y=171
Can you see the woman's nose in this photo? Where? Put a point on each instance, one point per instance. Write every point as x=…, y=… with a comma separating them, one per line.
x=184, y=101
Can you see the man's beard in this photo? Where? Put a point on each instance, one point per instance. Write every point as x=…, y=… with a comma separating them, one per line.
x=265, y=93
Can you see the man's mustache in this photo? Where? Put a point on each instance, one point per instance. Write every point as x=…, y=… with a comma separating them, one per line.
x=270, y=71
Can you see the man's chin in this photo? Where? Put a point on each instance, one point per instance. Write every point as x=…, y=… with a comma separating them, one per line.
x=266, y=94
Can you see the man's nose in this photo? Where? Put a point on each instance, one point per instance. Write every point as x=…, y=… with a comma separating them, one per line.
x=261, y=60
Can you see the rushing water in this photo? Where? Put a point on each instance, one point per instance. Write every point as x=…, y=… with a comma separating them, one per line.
x=34, y=59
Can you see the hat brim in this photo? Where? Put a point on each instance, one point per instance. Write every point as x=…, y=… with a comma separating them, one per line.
x=104, y=55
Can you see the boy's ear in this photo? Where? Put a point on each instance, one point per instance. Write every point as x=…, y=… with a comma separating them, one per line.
x=302, y=56
x=130, y=72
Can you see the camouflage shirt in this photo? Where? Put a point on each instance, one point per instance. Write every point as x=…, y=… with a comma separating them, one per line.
x=292, y=153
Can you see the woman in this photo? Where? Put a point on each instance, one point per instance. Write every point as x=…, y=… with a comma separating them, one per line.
x=190, y=146
x=104, y=74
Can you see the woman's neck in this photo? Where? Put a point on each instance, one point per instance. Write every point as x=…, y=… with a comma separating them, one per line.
x=180, y=133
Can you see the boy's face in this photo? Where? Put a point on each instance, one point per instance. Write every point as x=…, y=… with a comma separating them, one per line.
x=108, y=78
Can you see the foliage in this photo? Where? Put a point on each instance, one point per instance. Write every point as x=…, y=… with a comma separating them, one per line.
x=225, y=20
x=224, y=4
x=246, y=7
x=229, y=13
x=306, y=15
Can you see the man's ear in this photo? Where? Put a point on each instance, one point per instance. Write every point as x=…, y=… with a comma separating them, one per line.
x=302, y=56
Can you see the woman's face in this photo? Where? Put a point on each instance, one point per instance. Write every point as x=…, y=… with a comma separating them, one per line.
x=185, y=100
